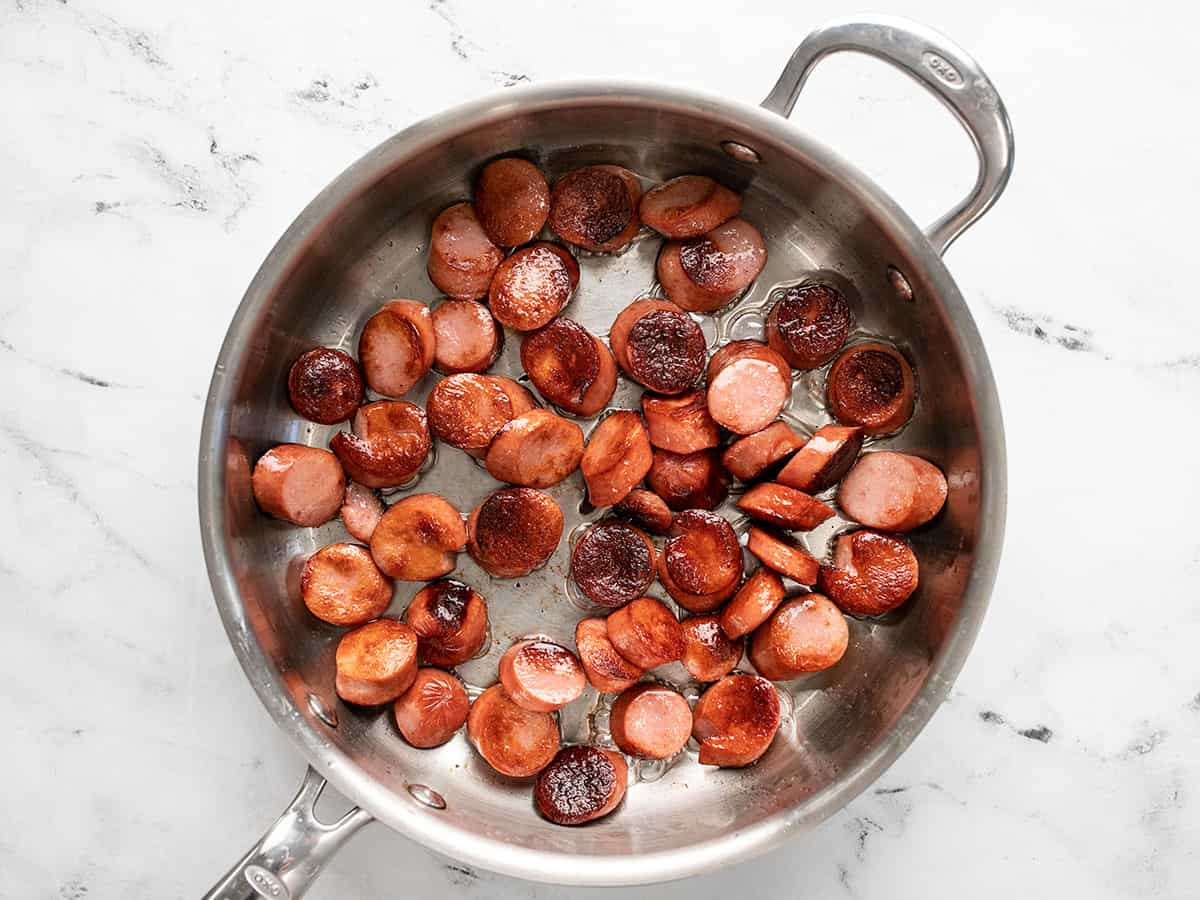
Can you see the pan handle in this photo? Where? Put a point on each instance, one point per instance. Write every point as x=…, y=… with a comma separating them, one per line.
x=944, y=69
x=288, y=858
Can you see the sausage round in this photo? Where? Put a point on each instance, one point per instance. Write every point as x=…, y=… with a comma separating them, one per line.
x=596, y=208
x=701, y=563
x=618, y=334
x=433, y=708
x=450, y=620
x=301, y=485
x=735, y=721
x=606, y=669
x=690, y=481
x=375, y=663
x=571, y=367
x=325, y=386
x=872, y=573
x=702, y=274
x=514, y=531
x=613, y=563
x=680, y=424
x=665, y=351
x=784, y=506
x=512, y=201
x=466, y=410
x=536, y=449
x=892, y=491
x=688, y=206
x=467, y=337
x=342, y=585
x=462, y=259
x=418, y=538
x=616, y=458
x=750, y=457
x=650, y=721
x=782, y=555
x=389, y=444
x=511, y=739
x=646, y=633
x=533, y=285
x=646, y=510
x=748, y=386
x=361, y=511
x=581, y=784
x=806, y=634
x=756, y=599
x=540, y=675
x=871, y=385
x=808, y=324
x=823, y=459
x=397, y=347
x=708, y=653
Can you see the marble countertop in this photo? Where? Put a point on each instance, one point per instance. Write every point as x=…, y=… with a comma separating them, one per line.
x=153, y=152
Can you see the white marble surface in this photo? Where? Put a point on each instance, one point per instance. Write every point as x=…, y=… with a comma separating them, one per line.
x=153, y=152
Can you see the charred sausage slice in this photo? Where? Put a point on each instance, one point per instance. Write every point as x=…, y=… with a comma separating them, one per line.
x=871, y=385
x=872, y=573
x=540, y=675
x=618, y=335
x=596, y=208
x=689, y=481
x=361, y=511
x=302, y=485
x=708, y=653
x=613, y=563
x=581, y=784
x=433, y=708
x=389, y=444
x=533, y=285
x=784, y=506
x=397, y=347
x=462, y=259
x=750, y=457
x=450, y=620
x=325, y=386
x=892, y=491
x=748, y=386
x=682, y=423
x=646, y=633
x=467, y=337
x=512, y=201
x=616, y=458
x=418, y=538
x=342, y=585
x=511, y=739
x=808, y=324
x=688, y=206
x=665, y=351
x=736, y=720
x=806, y=634
x=650, y=721
x=514, y=531
x=753, y=604
x=376, y=662
x=823, y=459
x=606, y=669
x=701, y=563
x=536, y=449
x=702, y=274
x=466, y=410
x=646, y=510
x=571, y=367
x=782, y=555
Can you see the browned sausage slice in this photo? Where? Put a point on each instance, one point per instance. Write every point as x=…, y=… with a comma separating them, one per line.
x=432, y=709
x=749, y=457
x=808, y=324
x=397, y=347
x=325, y=386
x=418, y=538
x=512, y=201
x=466, y=410
x=514, y=531
x=665, y=351
x=511, y=739
x=303, y=485
x=646, y=510
x=467, y=337
x=688, y=206
x=782, y=555
x=596, y=208
x=871, y=385
x=361, y=511
x=753, y=604
x=645, y=633
x=650, y=721
x=872, y=573
x=701, y=563
x=704, y=273
x=748, y=386
x=613, y=563
x=823, y=459
x=389, y=444
x=618, y=334
x=571, y=367
x=680, y=288
x=892, y=491
x=376, y=662
x=735, y=721
x=342, y=585
x=680, y=424
x=617, y=458
x=708, y=653
x=606, y=669
x=533, y=285
x=690, y=481
x=462, y=259
x=784, y=506
x=806, y=634
x=540, y=675
x=536, y=449
x=581, y=784
x=450, y=620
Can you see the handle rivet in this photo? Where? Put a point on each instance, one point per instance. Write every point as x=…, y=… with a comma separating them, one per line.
x=427, y=796
x=900, y=284
x=321, y=711
x=741, y=152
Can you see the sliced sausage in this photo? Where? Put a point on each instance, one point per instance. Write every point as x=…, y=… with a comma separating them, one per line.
x=512, y=201
x=389, y=444
x=433, y=708
x=511, y=739
x=748, y=386
x=536, y=449
x=682, y=423
x=571, y=367
x=467, y=337
x=514, y=531
x=596, y=208
x=784, y=556
x=665, y=351
x=617, y=458
x=688, y=206
x=892, y=491
x=758, y=597
x=872, y=573
x=451, y=622
x=808, y=324
x=752, y=456
x=823, y=459
x=646, y=633
x=709, y=654
x=303, y=485
x=613, y=563
x=701, y=563
x=702, y=274
x=462, y=259
x=606, y=669
x=871, y=385
x=650, y=721
x=618, y=334
x=375, y=663
x=581, y=784
x=736, y=720
x=361, y=511
x=784, y=506
x=806, y=634
x=466, y=410
x=342, y=585
x=689, y=481
x=533, y=285
x=646, y=510
x=418, y=538
x=540, y=675
x=325, y=386
x=397, y=347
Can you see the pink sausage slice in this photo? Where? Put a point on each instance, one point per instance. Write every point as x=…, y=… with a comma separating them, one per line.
x=688, y=206
x=806, y=634
x=748, y=386
x=467, y=337
x=361, y=511
x=892, y=491
x=689, y=481
x=397, y=347
x=646, y=510
x=432, y=710
x=541, y=676
x=650, y=721
x=301, y=485
x=462, y=259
